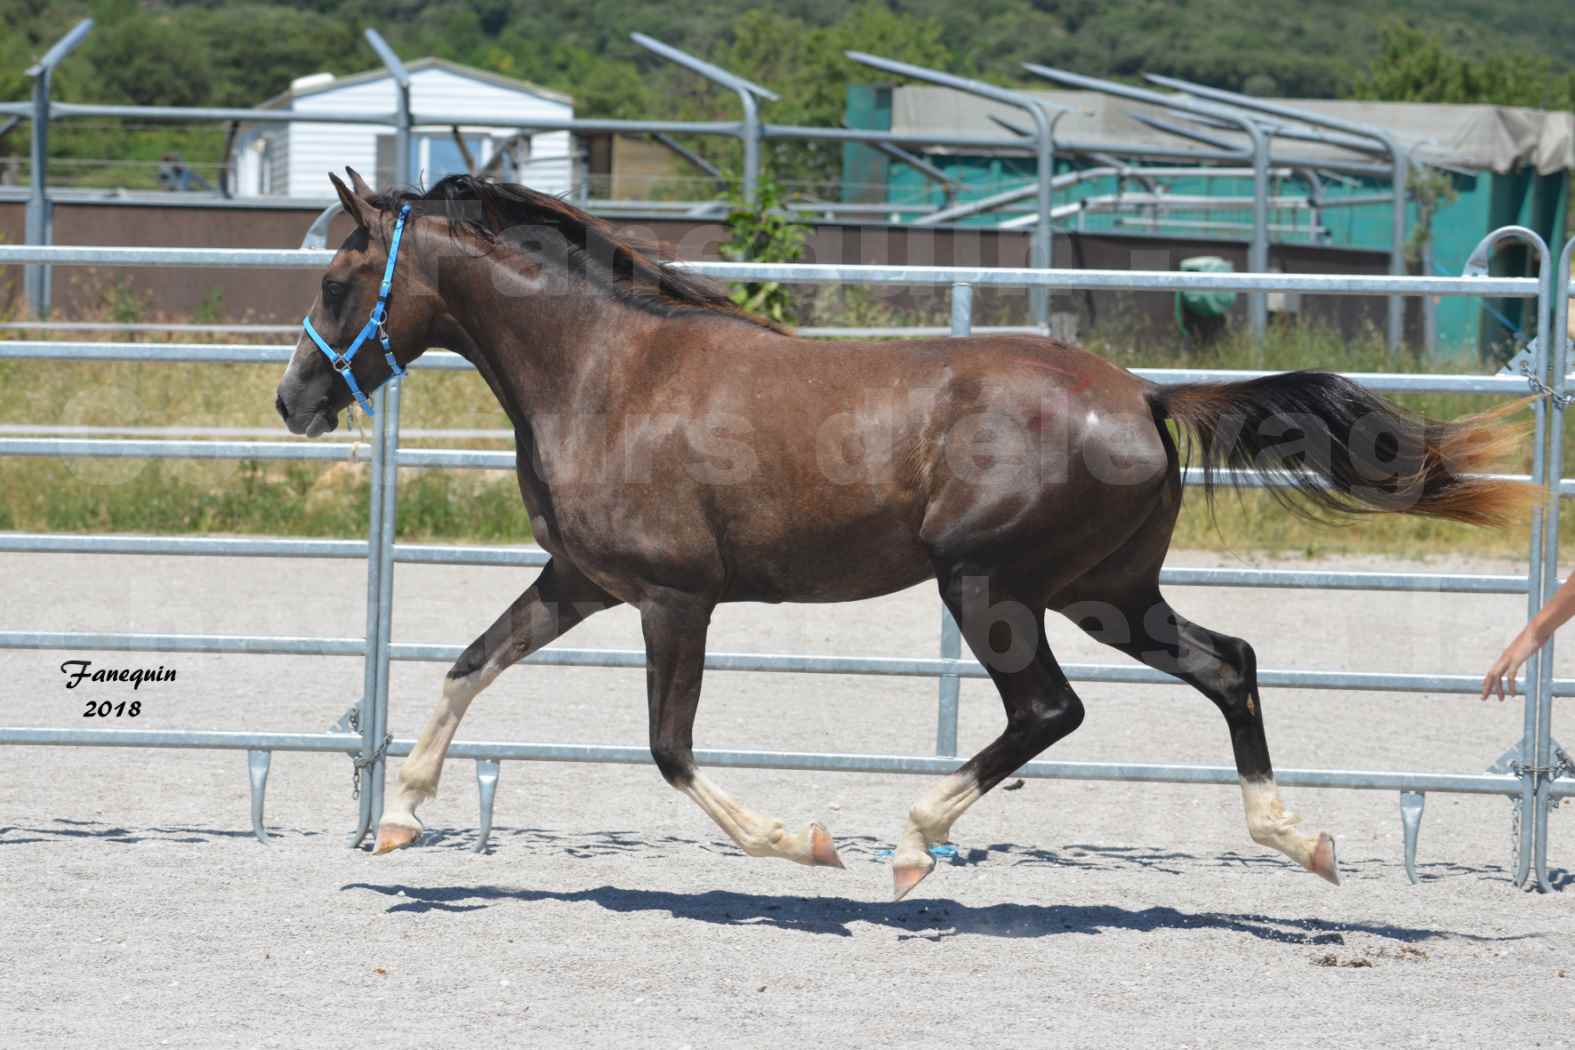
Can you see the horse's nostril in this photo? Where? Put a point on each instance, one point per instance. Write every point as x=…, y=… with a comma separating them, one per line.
x=278, y=403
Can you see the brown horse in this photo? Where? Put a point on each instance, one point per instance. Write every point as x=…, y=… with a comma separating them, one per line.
x=674, y=453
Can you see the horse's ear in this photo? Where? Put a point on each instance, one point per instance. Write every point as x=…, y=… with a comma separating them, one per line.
x=361, y=212
x=358, y=184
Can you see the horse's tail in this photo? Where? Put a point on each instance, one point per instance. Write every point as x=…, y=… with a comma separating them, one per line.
x=1327, y=445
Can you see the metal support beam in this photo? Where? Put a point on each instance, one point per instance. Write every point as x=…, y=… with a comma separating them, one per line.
x=396, y=69
x=1041, y=251
x=316, y=236
x=949, y=186
x=383, y=554
x=1258, y=251
x=366, y=708
x=40, y=225
x=748, y=92
x=950, y=688
x=685, y=153
x=1293, y=132
x=1005, y=197
x=1555, y=339
x=1399, y=165
x=1182, y=131
x=1541, y=580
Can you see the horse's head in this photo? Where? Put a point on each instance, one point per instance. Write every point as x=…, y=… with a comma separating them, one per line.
x=379, y=335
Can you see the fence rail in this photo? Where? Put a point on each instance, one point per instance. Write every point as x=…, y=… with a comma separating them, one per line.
x=1532, y=780
x=841, y=273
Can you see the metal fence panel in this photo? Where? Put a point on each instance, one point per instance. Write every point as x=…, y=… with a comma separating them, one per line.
x=366, y=738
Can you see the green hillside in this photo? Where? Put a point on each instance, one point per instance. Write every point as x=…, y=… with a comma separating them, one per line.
x=187, y=53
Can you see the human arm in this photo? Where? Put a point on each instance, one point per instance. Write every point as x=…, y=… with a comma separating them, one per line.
x=1549, y=618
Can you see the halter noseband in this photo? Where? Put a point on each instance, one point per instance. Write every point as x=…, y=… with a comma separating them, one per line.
x=375, y=323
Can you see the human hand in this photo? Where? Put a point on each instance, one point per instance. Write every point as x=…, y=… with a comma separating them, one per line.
x=1509, y=662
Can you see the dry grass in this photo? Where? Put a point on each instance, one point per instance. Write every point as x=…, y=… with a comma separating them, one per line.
x=303, y=499
x=234, y=496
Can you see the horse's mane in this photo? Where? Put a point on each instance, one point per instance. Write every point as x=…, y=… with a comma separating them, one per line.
x=635, y=272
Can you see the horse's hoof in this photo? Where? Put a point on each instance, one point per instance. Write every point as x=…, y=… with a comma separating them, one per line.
x=906, y=876
x=822, y=850
x=394, y=836
x=1324, y=862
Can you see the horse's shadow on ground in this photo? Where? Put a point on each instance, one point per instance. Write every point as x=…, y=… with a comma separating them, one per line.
x=587, y=845
x=1076, y=856
x=62, y=829
x=929, y=920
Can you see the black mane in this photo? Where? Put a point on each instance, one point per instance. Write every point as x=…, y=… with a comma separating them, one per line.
x=635, y=272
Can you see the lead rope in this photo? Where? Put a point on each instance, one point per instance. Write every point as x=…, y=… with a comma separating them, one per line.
x=358, y=447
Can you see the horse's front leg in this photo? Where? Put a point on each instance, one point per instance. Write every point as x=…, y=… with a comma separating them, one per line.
x=560, y=598
x=675, y=631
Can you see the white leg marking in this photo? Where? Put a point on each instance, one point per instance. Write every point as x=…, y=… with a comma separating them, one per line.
x=931, y=818
x=1270, y=825
x=418, y=775
x=756, y=835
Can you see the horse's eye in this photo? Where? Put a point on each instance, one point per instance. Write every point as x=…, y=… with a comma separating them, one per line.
x=333, y=291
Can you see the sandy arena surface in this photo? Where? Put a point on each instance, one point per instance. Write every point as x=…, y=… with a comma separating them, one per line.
x=136, y=910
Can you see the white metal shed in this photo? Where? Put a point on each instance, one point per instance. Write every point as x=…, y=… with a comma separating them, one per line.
x=294, y=159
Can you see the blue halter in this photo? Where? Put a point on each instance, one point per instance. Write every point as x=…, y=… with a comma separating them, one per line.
x=375, y=323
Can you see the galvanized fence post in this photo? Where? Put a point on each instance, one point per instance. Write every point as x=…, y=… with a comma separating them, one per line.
x=951, y=637
x=1525, y=813
x=366, y=717
x=1537, y=579
x=751, y=140
x=385, y=584
x=402, y=175
x=1536, y=370
x=37, y=279
x=1540, y=668
x=750, y=132
x=1555, y=340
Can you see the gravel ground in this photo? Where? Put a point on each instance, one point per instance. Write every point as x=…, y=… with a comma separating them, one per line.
x=137, y=910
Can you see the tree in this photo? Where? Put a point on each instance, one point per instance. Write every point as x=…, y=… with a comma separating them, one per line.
x=764, y=232
x=148, y=61
x=1414, y=65
x=808, y=68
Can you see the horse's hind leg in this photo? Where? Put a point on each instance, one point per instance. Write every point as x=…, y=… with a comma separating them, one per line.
x=675, y=631
x=1143, y=625
x=1002, y=620
x=560, y=598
